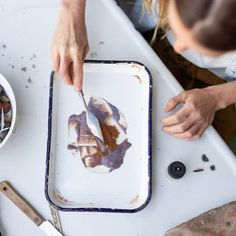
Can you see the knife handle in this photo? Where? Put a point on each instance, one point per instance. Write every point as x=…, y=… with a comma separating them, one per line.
x=20, y=202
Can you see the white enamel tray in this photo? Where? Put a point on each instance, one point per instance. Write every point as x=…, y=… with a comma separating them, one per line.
x=68, y=185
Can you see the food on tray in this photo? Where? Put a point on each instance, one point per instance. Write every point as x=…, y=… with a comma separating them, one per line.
x=5, y=114
x=219, y=221
x=96, y=155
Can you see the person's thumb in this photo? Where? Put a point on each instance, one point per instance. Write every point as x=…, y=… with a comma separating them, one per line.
x=173, y=102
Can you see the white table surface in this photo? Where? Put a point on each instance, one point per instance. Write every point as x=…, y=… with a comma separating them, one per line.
x=25, y=28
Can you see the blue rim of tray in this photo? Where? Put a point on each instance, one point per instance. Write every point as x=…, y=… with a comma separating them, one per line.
x=48, y=151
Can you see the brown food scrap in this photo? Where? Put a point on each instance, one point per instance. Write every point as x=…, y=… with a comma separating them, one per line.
x=93, y=55
x=213, y=167
x=12, y=66
x=198, y=170
x=205, y=158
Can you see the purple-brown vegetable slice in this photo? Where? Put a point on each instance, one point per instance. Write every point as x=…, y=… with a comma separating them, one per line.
x=98, y=156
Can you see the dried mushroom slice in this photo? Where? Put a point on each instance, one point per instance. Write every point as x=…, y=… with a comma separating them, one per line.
x=5, y=114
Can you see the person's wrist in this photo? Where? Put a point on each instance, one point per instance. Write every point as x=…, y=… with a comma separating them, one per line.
x=73, y=8
x=216, y=95
x=73, y=3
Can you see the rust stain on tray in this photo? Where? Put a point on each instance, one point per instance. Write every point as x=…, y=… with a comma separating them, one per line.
x=61, y=197
x=135, y=200
x=137, y=66
x=136, y=77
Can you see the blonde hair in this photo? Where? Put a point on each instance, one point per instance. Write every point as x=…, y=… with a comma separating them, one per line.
x=162, y=16
x=148, y=5
x=162, y=12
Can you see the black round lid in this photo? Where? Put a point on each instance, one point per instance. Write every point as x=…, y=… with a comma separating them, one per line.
x=176, y=170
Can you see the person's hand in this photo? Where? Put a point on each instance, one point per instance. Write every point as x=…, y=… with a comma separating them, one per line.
x=70, y=43
x=194, y=117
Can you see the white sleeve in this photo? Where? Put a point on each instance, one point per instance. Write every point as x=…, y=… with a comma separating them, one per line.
x=231, y=70
x=205, y=61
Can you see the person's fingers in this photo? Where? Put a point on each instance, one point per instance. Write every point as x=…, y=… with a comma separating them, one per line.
x=64, y=70
x=176, y=118
x=179, y=128
x=191, y=132
x=173, y=102
x=77, y=73
x=56, y=61
x=198, y=134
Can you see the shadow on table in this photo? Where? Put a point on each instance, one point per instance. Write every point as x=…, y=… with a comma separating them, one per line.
x=2, y=231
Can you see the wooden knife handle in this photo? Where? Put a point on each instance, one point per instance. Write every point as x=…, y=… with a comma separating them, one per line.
x=20, y=202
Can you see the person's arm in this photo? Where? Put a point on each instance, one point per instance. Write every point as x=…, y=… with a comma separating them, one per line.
x=226, y=94
x=198, y=111
x=70, y=43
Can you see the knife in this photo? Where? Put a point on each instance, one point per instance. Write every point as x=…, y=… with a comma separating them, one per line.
x=92, y=121
x=55, y=218
x=23, y=205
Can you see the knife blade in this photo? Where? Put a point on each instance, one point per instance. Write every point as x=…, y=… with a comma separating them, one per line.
x=55, y=218
x=7, y=189
x=49, y=229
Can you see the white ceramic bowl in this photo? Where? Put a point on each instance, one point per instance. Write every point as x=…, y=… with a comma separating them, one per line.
x=11, y=96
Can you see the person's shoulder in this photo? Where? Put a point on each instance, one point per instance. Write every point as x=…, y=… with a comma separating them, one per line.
x=222, y=61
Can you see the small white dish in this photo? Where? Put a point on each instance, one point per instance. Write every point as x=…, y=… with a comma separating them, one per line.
x=11, y=96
